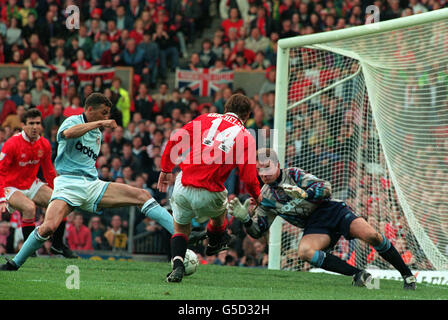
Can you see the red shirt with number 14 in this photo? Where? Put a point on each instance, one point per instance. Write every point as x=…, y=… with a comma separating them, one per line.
x=209, y=148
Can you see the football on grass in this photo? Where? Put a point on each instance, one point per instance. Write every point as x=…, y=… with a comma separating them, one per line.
x=191, y=262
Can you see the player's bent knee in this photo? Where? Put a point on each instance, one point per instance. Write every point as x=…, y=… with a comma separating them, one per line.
x=373, y=238
x=47, y=230
x=306, y=253
x=29, y=210
x=143, y=196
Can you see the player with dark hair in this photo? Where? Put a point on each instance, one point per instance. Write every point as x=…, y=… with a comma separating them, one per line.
x=216, y=144
x=77, y=186
x=20, y=189
x=305, y=201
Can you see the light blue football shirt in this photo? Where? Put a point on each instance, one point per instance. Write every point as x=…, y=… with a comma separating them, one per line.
x=78, y=156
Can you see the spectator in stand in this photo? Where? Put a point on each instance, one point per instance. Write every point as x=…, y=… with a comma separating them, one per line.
x=233, y=22
x=268, y=84
x=129, y=159
x=112, y=57
x=286, y=30
x=262, y=22
x=45, y=106
x=240, y=48
x=52, y=84
x=115, y=236
x=28, y=101
x=80, y=62
x=168, y=49
x=97, y=230
x=174, y=103
x=220, y=103
x=256, y=42
x=148, y=21
x=206, y=55
x=144, y=104
x=74, y=108
x=260, y=63
x=98, y=84
x=163, y=96
x=17, y=97
x=34, y=60
x=29, y=28
x=123, y=21
x=134, y=10
x=27, y=11
x=110, y=8
x=240, y=63
x=14, y=33
x=124, y=102
x=53, y=120
x=14, y=121
x=133, y=56
x=117, y=142
x=113, y=34
x=194, y=63
x=191, y=11
x=49, y=28
x=38, y=91
x=100, y=47
x=84, y=41
x=60, y=59
x=34, y=44
x=150, y=57
x=23, y=76
x=116, y=169
x=217, y=46
x=179, y=26
x=79, y=236
x=137, y=32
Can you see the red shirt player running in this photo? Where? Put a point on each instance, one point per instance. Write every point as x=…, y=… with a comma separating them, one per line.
x=20, y=189
x=216, y=144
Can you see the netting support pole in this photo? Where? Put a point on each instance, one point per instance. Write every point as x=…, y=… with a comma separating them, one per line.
x=281, y=103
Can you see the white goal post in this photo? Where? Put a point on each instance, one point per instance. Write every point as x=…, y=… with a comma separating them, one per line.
x=390, y=78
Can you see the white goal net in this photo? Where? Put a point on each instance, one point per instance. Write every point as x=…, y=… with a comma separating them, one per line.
x=366, y=108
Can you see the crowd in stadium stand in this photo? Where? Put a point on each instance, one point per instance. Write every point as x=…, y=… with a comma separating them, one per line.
x=154, y=37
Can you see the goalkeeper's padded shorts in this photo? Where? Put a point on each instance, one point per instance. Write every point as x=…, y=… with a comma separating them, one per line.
x=189, y=202
x=79, y=192
x=332, y=218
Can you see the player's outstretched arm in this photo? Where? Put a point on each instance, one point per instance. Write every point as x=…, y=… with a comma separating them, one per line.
x=241, y=212
x=80, y=129
x=165, y=179
x=294, y=191
x=238, y=210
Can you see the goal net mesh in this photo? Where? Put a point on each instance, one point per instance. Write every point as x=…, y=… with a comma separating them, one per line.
x=370, y=115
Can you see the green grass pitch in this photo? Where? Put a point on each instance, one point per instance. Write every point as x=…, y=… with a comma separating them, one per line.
x=43, y=278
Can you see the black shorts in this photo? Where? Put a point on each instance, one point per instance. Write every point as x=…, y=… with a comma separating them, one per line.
x=332, y=218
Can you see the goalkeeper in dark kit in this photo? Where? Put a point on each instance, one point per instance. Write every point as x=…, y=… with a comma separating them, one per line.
x=305, y=201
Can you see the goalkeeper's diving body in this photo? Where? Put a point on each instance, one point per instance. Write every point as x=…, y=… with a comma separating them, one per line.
x=305, y=201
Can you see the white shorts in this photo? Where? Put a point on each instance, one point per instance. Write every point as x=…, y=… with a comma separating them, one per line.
x=29, y=193
x=189, y=202
x=79, y=192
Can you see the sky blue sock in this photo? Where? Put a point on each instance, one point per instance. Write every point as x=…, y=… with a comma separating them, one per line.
x=153, y=210
x=34, y=242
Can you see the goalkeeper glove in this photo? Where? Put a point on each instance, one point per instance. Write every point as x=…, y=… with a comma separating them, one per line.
x=294, y=191
x=238, y=210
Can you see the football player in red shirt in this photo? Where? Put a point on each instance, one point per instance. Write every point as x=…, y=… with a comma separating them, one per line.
x=216, y=144
x=20, y=189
